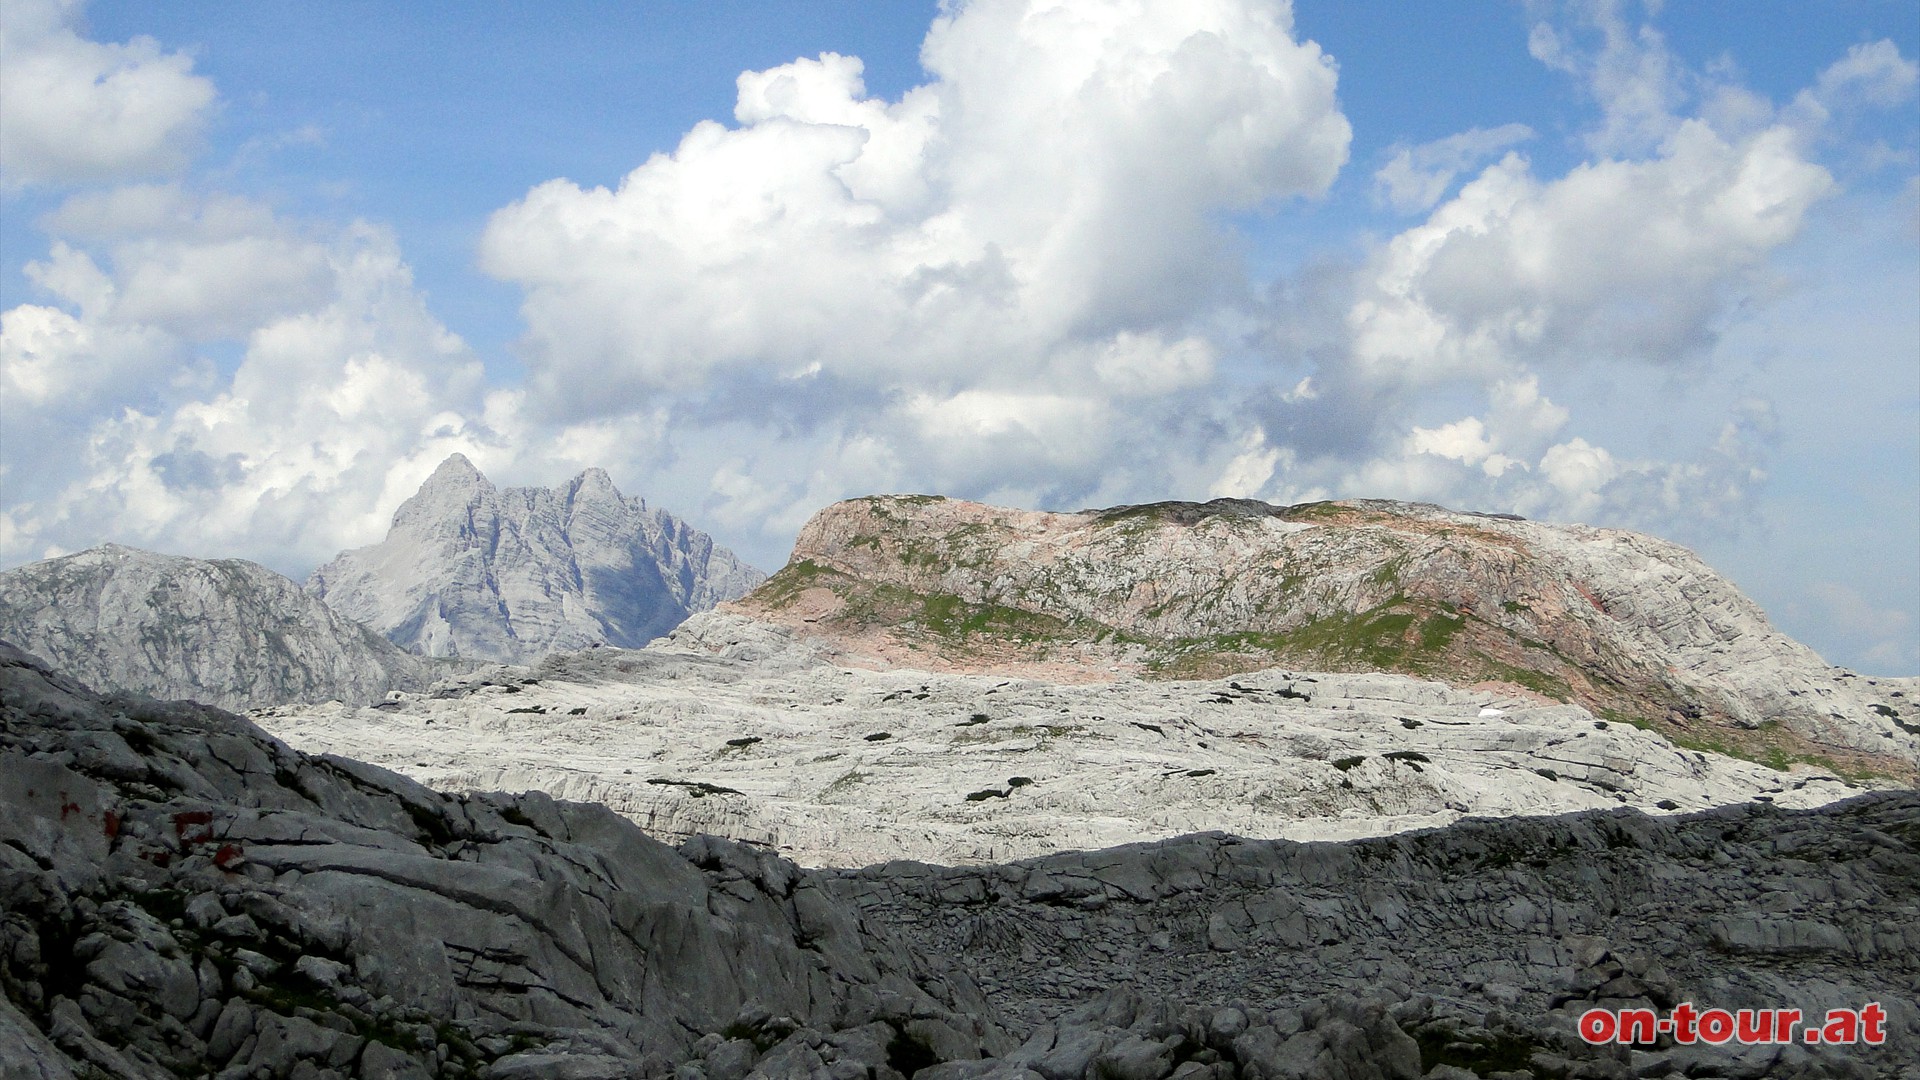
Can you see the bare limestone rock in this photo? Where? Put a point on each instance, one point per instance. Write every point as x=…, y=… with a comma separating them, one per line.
x=225, y=632
x=1629, y=626
x=737, y=728
x=221, y=905
x=213, y=904
x=474, y=571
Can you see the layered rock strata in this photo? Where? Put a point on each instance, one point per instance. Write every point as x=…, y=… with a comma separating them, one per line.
x=479, y=572
x=181, y=895
x=225, y=632
x=1629, y=626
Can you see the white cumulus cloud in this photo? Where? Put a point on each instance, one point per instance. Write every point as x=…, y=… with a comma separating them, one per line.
x=347, y=393
x=74, y=110
x=1871, y=74
x=996, y=282
x=1417, y=177
x=1044, y=202
x=1617, y=259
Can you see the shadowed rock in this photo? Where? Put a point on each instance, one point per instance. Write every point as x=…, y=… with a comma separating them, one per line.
x=181, y=895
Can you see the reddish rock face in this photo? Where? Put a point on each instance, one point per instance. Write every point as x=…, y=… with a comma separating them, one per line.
x=1633, y=627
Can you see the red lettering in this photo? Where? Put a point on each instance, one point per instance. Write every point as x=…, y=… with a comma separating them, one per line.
x=1638, y=1026
x=1683, y=1021
x=1597, y=1026
x=1874, y=1019
x=1716, y=1026
x=1842, y=1026
x=1784, y=1021
x=1756, y=1025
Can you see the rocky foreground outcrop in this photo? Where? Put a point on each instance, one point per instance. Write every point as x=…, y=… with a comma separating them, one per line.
x=225, y=632
x=479, y=572
x=181, y=895
x=1632, y=627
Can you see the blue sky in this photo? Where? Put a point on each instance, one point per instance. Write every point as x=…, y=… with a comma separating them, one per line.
x=262, y=265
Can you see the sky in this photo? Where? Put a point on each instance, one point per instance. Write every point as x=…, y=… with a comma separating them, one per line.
x=263, y=265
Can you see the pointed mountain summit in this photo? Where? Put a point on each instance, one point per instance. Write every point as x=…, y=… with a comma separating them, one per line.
x=512, y=574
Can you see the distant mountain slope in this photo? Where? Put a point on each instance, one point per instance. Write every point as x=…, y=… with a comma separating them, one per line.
x=1635, y=628
x=223, y=632
x=475, y=571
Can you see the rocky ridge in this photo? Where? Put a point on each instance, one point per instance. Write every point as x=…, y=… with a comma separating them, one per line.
x=225, y=632
x=736, y=729
x=479, y=572
x=1633, y=628
x=181, y=895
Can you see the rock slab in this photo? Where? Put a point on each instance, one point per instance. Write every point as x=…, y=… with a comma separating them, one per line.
x=732, y=728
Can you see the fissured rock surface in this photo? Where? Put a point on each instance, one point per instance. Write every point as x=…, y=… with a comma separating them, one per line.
x=182, y=896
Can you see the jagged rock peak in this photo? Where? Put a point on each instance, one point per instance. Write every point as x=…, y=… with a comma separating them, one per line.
x=455, y=482
x=224, y=632
x=511, y=574
x=1630, y=626
x=455, y=470
x=595, y=482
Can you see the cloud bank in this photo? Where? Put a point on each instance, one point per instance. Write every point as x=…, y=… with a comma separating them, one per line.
x=1024, y=280
x=987, y=275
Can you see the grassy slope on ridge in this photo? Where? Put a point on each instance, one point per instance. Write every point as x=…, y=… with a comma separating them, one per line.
x=1185, y=590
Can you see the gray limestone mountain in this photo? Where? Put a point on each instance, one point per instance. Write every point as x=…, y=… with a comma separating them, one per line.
x=1631, y=627
x=225, y=632
x=475, y=571
x=182, y=896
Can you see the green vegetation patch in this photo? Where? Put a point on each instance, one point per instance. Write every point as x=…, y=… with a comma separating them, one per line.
x=1145, y=513
x=1771, y=744
x=784, y=587
x=1540, y=682
x=1401, y=634
x=969, y=625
